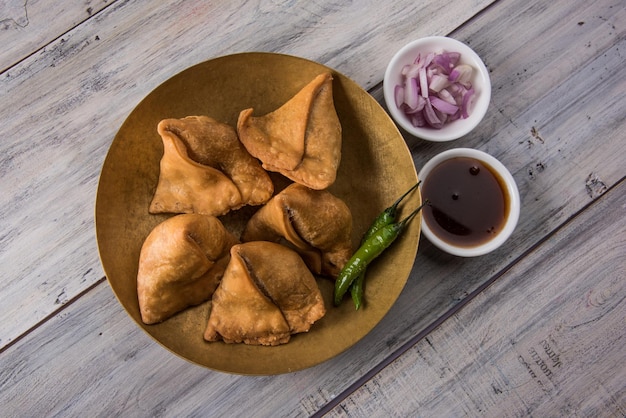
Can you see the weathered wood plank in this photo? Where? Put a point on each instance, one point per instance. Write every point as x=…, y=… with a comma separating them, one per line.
x=27, y=26
x=545, y=340
x=438, y=282
x=64, y=105
x=557, y=174
x=107, y=366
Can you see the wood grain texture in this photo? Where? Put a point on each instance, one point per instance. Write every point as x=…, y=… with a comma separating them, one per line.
x=526, y=346
x=26, y=26
x=107, y=366
x=65, y=104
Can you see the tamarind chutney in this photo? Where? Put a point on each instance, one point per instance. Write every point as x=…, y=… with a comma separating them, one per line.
x=468, y=202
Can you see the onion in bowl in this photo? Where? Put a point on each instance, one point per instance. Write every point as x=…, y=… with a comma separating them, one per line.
x=435, y=89
x=465, y=71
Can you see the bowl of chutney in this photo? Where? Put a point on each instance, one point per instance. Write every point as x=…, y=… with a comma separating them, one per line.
x=473, y=202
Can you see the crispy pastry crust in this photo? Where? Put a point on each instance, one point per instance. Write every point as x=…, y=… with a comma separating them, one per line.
x=317, y=224
x=180, y=265
x=301, y=139
x=267, y=294
x=206, y=170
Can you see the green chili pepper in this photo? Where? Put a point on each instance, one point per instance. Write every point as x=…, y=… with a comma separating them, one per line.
x=371, y=248
x=385, y=218
x=357, y=289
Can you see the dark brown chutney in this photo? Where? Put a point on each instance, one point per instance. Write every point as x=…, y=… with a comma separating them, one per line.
x=468, y=202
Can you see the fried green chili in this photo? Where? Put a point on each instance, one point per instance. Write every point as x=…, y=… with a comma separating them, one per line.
x=386, y=217
x=371, y=248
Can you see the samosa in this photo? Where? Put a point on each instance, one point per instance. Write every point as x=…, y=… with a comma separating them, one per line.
x=316, y=223
x=266, y=295
x=205, y=169
x=181, y=263
x=301, y=139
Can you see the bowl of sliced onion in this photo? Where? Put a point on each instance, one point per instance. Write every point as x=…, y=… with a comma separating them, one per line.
x=437, y=88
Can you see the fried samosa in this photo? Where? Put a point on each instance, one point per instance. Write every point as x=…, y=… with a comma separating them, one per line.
x=301, y=139
x=317, y=224
x=266, y=295
x=181, y=264
x=205, y=169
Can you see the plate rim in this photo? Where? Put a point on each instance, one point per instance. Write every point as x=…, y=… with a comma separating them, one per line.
x=98, y=224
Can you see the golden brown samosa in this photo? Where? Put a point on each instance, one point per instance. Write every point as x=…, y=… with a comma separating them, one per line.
x=316, y=223
x=181, y=263
x=301, y=139
x=205, y=169
x=266, y=295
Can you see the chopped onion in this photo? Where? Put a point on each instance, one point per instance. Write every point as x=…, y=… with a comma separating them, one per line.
x=421, y=102
x=411, y=90
x=461, y=74
x=417, y=119
x=411, y=71
x=467, y=99
x=399, y=95
x=423, y=82
x=438, y=82
x=444, y=94
x=447, y=61
x=435, y=90
x=431, y=117
x=443, y=106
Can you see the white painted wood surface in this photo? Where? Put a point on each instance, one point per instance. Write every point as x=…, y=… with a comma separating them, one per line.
x=27, y=26
x=556, y=120
x=66, y=102
x=546, y=339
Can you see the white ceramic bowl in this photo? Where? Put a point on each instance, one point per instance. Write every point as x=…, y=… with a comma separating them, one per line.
x=480, y=82
x=511, y=190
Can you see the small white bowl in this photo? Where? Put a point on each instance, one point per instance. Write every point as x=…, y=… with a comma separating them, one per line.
x=511, y=191
x=480, y=82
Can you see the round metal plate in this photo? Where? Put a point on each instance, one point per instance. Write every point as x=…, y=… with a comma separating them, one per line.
x=376, y=168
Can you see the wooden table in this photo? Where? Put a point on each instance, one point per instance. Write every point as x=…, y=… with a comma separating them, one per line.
x=535, y=328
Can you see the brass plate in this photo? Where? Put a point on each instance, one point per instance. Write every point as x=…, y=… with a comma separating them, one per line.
x=376, y=168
